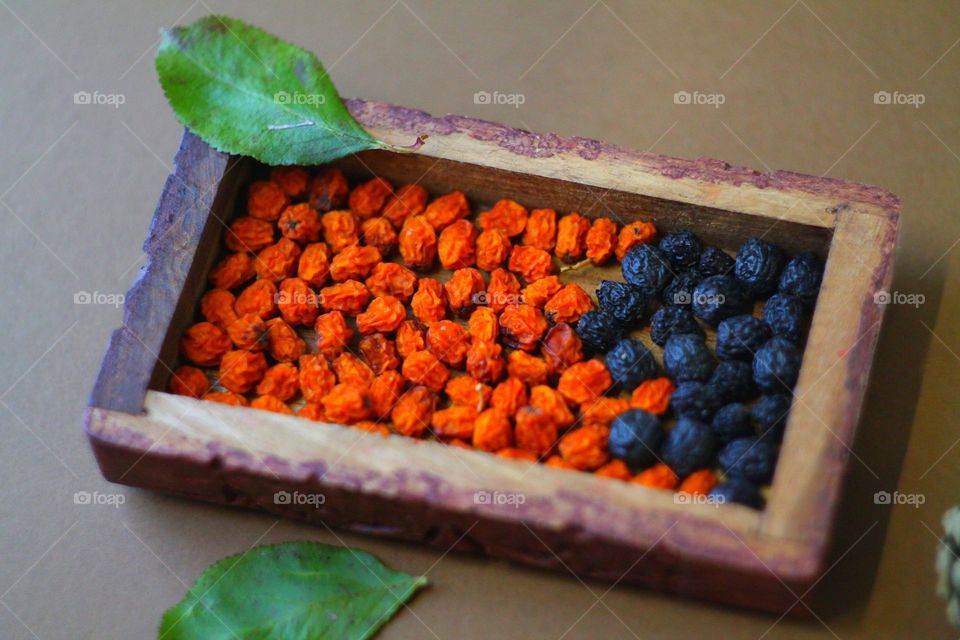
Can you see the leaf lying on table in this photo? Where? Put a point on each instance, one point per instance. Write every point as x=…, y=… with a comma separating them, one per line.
x=290, y=591
x=246, y=92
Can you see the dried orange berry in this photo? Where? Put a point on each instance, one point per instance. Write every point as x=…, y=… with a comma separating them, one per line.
x=422, y=367
x=385, y=392
x=409, y=200
x=463, y=290
x=659, y=476
x=585, y=448
x=293, y=180
x=531, y=369
x=226, y=397
x=204, y=344
x=459, y=444
x=412, y=412
x=541, y=229
x=537, y=293
x=503, y=290
x=492, y=431
x=312, y=411
x=509, y=396
x=530, y=263
x=368, y=198
x=653, y=396
x=410, y=338
x=601, y=240
x=346, y=404
x=601, y=412
x=457, y=245
x=446, y=210
x=522, y=326
x=349, y=297
x=378, y=352
x=283, y=342
x=298, y=303
x=392, y=279
x=513, y=453
x=249, y=234
x=333, y=334
x=248, y=332
x=241, y=370
x=316, y=377
x=418, y=242
x=558, y=462
x=259, y=298
x=373, y=427
x=506, y=215
x=278, y=261
x=383, y=315
x=562, y=346
x=340, y=229
x=616, y=469
x=379, y=233
x=454, y=422
x=448, y=341
x=355, y=262
x=483, y=324
x=535, y=431
x=328, y=189
x=189, y=381
x=300, y=222
x=633, y=234
x=493, y=249
x=233, y=271
x=552, y=404
x=468, y=391
x=584, y=382
x=217, y=307
x=572, y=237
x=281, y=381
x=314, y=265
x=429, y=303
x=353, y=371
x=266, y=200
x=699, y=483
x=568, y=304
x=485, y=361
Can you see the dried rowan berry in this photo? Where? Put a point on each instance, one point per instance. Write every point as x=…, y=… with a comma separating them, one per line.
x=506, y=215
x=281, y=381
x=552, y=404
x=248, y=332
x=603, y=411
x=328, y=189
x=189, y=381
x=204, y=344
x=293, y=180
x=340, y=229
x=233, y=271
x=422, y=367
x=217, y=307
x=699, y=483
x=314, y=266
x=584, y=382
x=538, y=292
x=531, y=369
x=429, y=303
x=633, y=234
x=485, y=361
x=312, y=411
x=492, y=430
x=572, y=237
x=241, y=370
x=226, y=397
x=535, y=431
x=409, y=200
x=316, y=377
x=568, y=304
x=530, y=263
x=249, y=234
x=367, y=199
x=448, y=341
x=493, y=249
x=522, y=326
x=653, y=396
x=584, y=448
x=346, y=404
x=468, y=391
x=383, y=315
x=541, y=229
x=454, y=422
x=379, y=233
x=410, y=338
x=483, y=324
x=385, y=391
x=372, y=427
x=298, y=303
x=503, y=290
x=379, y=352
x=392, y=279
x=349, y=297
x=464, y=289
x=412, y=412
x=446, y=210
x=352, y=371
x=459, y=444
x=616, y=469
x=509, y=396
x=659, y=476
x=300, y=222
x=418, y=243
x=457, y=245
x=354, y=263
x=562, y=347
x=278, y=261
x=283, y=342
x=266, y=200
x=259, y=298
x=333, y=334
x=601, y=240
x=558, y=462
x=513, y=453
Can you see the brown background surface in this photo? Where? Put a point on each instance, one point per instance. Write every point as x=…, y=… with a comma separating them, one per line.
x=78, y=184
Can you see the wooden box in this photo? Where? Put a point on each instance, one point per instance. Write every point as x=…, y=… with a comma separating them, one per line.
x=428, y=492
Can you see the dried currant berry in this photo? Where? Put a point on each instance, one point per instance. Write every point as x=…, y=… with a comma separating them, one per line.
x=630, y=363
x=599, y=330
x=646, y=268
x=689, y=445
x=717, y=298
x=739, y=337
x=682, y=249
x=758, y=267
x=715, y=262
x=776, y=365
x=635, y=437
x=801, y=277
x=786, y=316
x=624, y=302
x=686, y=357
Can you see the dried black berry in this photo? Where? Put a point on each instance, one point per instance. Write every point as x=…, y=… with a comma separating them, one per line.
x=646, y=268
x=749, y=458
x=690, y=445
x=715, y=262
x=802, y=276
x=635, y=438
x=730, y=422
x=680, y=289
x=769, y=414
x=695, y=400
x=733, y=380
x=630, y=363
x=668, y=321
x=776, y=365
x=739, y=337
x=682, y=249
x=739, y=491
x=624, y=302
x=687, y=357
x=599, y=330
x=786, y=316
x=717, y=298
x=758, y=267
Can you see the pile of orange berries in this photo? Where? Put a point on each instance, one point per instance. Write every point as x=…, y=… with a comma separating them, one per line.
x=329, y=305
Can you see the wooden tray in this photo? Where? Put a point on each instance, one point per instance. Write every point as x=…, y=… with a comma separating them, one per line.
x=426, y=491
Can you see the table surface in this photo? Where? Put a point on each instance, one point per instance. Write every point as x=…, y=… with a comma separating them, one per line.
x=78, y=184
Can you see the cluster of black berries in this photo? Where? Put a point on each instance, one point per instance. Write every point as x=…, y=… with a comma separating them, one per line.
x=730, y=406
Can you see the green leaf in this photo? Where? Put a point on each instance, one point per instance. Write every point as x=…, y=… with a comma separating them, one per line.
x=290, y=591
x=246, y=92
